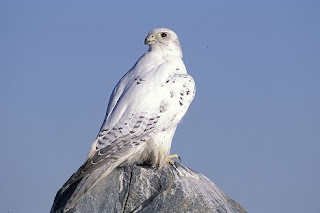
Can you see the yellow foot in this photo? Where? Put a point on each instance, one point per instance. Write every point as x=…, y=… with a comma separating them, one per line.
x=174, y=156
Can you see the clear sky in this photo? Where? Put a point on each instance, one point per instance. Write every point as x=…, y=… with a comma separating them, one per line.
x=253, y=128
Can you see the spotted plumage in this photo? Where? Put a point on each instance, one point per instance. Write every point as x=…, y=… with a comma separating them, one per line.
x=142, y=115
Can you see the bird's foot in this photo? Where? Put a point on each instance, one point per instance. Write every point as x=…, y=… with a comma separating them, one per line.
x=174, y=156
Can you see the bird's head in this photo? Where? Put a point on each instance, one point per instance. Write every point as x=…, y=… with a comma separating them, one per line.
x=163, y=40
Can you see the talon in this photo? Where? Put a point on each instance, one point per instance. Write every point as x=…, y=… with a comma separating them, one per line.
x=171, y=162
x=174, y=156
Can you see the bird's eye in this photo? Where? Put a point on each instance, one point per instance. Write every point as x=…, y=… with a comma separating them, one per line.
x=163, y=35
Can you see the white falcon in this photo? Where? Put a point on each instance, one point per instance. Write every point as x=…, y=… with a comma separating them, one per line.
x=143, y=113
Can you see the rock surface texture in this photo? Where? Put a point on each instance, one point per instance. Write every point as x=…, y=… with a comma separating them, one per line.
x=145, y=190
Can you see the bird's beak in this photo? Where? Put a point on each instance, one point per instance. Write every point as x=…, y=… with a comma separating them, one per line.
x=150, y=39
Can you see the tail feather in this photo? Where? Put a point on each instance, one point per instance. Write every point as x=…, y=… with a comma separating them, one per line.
x=87, y=183
x=68, y=196
x=71, y=192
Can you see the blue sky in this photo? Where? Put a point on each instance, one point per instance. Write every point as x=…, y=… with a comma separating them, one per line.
x=253, y=128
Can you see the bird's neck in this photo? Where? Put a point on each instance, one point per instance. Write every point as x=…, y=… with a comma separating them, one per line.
x=166, y=51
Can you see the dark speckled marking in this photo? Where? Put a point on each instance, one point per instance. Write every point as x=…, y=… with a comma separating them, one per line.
x=135, y=143
x=139, y=80
x=171, y=94
x=163, y=107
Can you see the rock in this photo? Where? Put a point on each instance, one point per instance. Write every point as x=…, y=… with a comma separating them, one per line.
x=144, y=190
